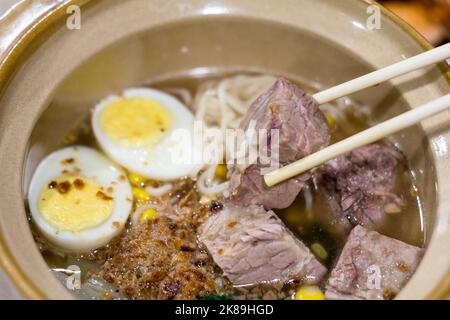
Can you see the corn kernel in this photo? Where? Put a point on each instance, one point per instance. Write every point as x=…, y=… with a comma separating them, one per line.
x=148, y=214
x=309, y=293
x=294, y=214
x=140, y=194
x=319, y=251
x=330, y=119
x=136, y=179
x=221, y=172
x=392, y=208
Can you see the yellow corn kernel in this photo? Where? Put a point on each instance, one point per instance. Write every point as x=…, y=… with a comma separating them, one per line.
x=140, y=194
x=221, y=172
x=148, y=214
x=330, y=119
x=319, y=251
x=136, y=179
x=294, y=214
x=309, y=293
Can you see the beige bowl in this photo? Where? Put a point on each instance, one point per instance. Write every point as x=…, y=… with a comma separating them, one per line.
x=50, y=76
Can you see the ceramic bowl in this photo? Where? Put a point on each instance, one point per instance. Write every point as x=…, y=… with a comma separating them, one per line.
x=51, y=75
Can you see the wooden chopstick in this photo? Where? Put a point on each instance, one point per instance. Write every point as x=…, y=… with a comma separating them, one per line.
x=370, y=135
x=378, y=131
x=397, y=69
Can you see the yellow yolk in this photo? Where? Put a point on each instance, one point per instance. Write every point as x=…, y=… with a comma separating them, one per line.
x=135, y=122
x=75, y=204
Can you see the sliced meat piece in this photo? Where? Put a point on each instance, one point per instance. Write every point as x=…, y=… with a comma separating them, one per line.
x=302, y=129
x=372, y=266
x=249, y=188
x=252, y=245
x=358, y=187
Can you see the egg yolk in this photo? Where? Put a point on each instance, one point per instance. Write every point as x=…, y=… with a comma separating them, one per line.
x=135, y=122
x=75, y=204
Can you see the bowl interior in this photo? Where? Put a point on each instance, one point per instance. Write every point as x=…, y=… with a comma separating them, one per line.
x=175, y=50
x=137, y=52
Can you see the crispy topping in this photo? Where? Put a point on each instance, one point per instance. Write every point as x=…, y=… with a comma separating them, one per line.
x=79, y=184
x=64, y=187
x=388, y=294
x=402, y=266
x=216, y=206
x=106, y=296
x=161, y=258
x=68, y=161
x=103, y=196
x=52, y=185
x=232, y=224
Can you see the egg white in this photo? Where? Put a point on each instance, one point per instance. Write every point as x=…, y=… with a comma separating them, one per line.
x=158, y=161
x=93, y=165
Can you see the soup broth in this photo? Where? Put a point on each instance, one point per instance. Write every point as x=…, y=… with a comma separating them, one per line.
x=302, y=218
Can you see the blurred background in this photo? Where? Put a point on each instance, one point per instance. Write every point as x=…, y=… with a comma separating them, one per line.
x=430, y=17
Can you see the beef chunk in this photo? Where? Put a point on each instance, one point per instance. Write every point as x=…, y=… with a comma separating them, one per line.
x=249, y=188
x=372, y=266
x=252, y=245
x=302, y=129
x=358, y=187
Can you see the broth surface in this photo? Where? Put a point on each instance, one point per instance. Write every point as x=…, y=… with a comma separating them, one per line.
x=406, y=226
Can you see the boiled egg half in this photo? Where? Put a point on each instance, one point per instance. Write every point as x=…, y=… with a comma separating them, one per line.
x=148, y=132
x=79, y=200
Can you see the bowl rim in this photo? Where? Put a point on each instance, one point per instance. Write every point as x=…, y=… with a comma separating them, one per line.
x=36, y=28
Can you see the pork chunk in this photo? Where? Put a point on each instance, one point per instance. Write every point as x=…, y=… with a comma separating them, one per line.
x=358, y=186
x=302, y=130
x=372, y=266
x=252, y=246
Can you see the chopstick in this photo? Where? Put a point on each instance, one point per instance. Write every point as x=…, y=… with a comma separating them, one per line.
x=362, y=138
x=371, y=79
x=370, y=135
x=379, y=131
